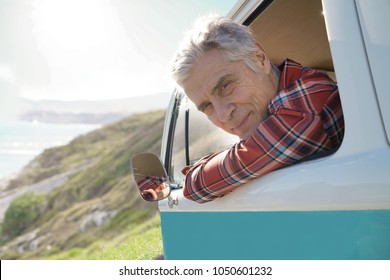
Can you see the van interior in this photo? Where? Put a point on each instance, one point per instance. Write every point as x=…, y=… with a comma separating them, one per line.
x=293, y=29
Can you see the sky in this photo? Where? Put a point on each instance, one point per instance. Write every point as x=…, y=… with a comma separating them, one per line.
x=92, y=49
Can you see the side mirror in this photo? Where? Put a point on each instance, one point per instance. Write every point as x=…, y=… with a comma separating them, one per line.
x=150, y=177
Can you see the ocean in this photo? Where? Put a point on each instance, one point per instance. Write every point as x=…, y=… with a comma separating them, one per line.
x=20, y=142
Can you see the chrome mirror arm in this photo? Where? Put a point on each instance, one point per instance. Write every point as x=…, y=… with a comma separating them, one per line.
x=174, y=186
x=172, y=201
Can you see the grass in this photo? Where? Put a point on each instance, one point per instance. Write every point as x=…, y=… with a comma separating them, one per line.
x=144, y=242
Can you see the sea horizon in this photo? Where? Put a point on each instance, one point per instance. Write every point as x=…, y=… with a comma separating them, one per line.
x=22, y=141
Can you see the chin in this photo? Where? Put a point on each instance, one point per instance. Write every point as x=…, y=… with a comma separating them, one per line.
x=247, y=134
x=245, y=137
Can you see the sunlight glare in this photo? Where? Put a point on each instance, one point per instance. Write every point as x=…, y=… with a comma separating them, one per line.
x=88, y=51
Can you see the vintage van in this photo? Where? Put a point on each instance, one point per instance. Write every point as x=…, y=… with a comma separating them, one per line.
x=333, y=207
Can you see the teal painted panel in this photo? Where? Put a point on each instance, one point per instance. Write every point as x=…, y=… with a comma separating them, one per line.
x=319, y=235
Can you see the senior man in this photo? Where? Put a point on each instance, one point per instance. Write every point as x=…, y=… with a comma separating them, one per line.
x=283, y=114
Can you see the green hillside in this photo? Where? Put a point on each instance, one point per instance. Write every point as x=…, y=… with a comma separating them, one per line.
x=95, y=212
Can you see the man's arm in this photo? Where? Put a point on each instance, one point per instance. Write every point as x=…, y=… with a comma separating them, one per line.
x=280, y=141
x=284, y=138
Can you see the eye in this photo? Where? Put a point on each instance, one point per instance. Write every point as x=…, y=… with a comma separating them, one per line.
x=226, y=88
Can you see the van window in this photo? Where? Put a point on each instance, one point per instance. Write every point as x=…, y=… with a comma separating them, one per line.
x=303, y=38
x=178, y=161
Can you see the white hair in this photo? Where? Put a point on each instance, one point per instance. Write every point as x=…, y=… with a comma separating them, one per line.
x=213, y=32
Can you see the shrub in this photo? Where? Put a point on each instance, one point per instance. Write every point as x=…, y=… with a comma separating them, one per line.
x=21, y=213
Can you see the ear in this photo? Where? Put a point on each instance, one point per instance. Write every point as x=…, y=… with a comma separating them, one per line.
x=262, y=59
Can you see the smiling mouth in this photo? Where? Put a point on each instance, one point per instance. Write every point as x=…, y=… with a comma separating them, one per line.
x=244, y=121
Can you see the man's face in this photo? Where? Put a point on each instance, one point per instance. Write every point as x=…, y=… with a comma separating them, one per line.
x=233, y=96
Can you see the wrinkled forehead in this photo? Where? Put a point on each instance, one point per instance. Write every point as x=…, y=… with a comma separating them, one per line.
x=205, y=74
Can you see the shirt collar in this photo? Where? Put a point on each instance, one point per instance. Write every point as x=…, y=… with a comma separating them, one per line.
x=290, y=72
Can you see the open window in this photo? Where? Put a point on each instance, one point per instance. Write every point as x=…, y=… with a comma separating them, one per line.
x=286, y=29
x=293, y=29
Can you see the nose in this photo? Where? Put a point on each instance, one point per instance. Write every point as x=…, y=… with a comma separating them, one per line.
x=224, y=110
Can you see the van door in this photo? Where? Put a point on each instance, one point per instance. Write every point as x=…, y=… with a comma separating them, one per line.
x=335, y=207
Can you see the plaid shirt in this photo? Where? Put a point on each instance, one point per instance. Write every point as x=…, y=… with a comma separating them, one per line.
x=155, y=183
x=305, y=118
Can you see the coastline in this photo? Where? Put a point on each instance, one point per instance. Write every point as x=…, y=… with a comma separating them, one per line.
x=21, y=142
x=44, y=186
x=4, y=181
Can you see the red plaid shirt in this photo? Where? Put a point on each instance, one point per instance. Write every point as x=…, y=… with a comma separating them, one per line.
x=155, y=183
x=305, y=118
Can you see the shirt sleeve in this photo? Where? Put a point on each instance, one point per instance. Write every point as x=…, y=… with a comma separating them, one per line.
x=285, y=137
